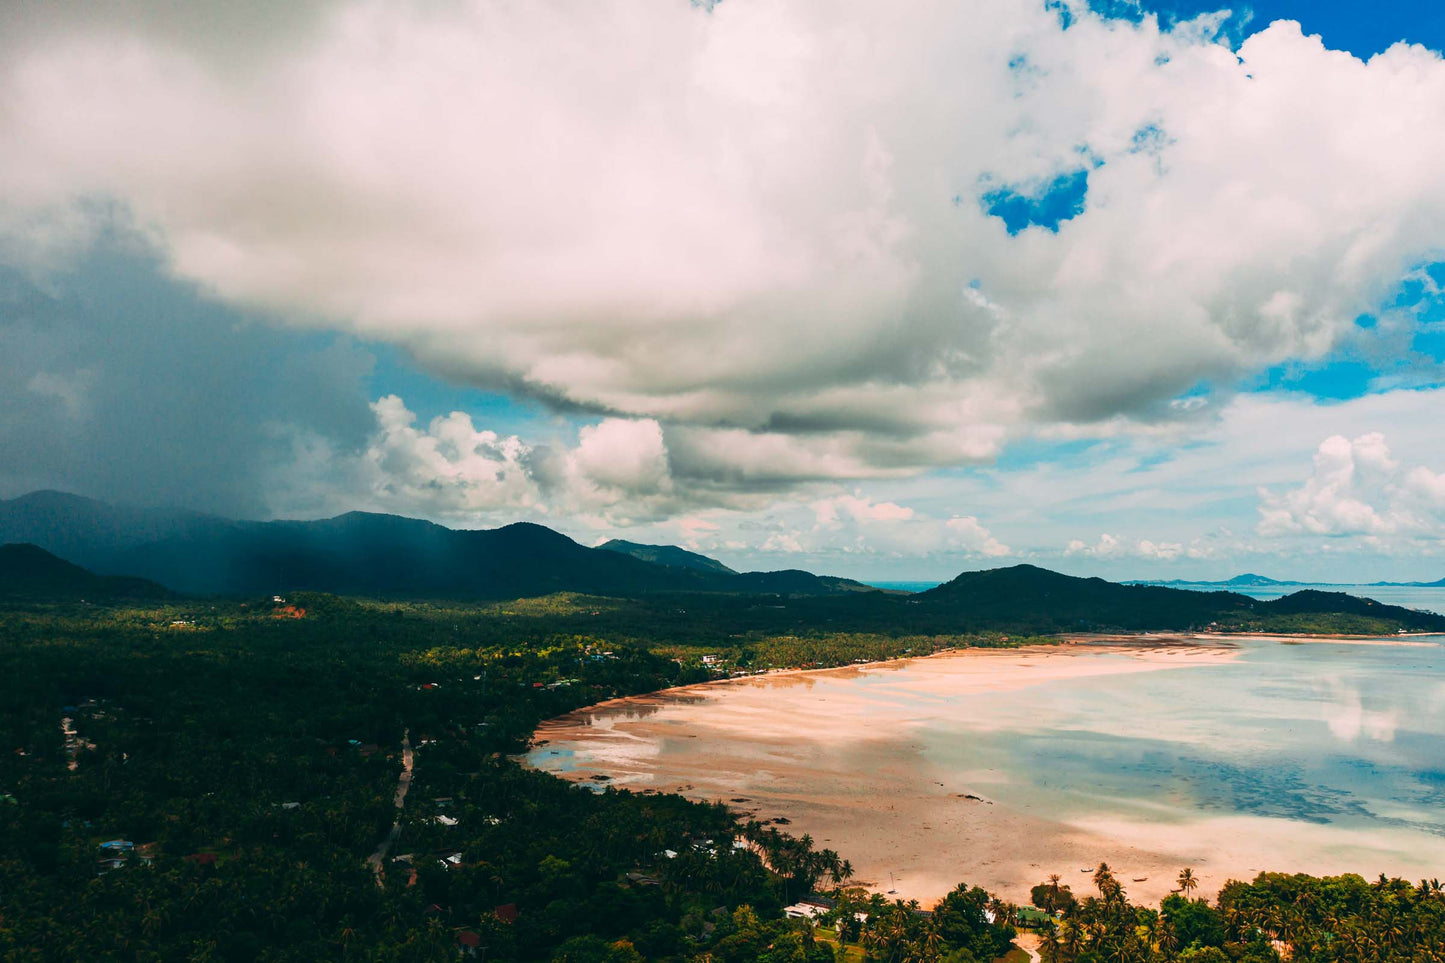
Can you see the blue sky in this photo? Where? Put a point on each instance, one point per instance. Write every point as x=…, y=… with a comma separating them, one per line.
x=1362, y=29
x=795, y=285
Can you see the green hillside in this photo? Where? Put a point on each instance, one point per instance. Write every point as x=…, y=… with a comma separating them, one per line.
x=29, y=572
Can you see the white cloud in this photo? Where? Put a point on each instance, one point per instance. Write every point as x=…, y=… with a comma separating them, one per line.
x=834, y=511
x=616, y=473
x=620, y=477
x=1427, y=485
x=863, y=525
x=783, y=543
x=966, y=533
x=626, y=455
x=1115, y=546
x=448, y=468
x=744, y=220
x=1357, y=488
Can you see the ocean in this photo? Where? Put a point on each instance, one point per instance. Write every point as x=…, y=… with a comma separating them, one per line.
x=1425, y=598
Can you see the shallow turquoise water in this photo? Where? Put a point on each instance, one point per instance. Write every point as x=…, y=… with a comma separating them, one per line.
x=1423, y=597
x=1321, y=757
x=1325, y=733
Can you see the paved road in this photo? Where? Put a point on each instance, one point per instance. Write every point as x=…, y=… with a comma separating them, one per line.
x=403, y=783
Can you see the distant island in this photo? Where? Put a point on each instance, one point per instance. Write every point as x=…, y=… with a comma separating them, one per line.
x=1251, y=580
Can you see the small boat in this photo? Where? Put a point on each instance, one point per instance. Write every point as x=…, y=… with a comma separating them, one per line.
x=1140, y=879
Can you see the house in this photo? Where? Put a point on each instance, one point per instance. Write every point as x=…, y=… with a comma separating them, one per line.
x=469, y=941
x=710, y=660
x=449, y=859
x=507, y=912
x=104, y=866
x=202, y=859
x=290, y=805
x=118, y=846
x=805, y=910
x=445, y=820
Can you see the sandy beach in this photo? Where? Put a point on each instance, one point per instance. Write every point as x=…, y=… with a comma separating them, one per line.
x=852, y=766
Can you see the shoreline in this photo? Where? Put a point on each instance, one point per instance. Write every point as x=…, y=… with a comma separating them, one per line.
x=1081, y=644
x=828, y=764
x=1102, y=642
x=625, y=726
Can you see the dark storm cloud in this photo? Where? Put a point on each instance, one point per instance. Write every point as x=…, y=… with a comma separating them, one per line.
x=120, y=382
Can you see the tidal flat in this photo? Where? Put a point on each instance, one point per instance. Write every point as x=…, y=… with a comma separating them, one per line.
x=1000, y=767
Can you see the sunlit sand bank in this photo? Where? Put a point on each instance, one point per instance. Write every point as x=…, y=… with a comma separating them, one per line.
x=848, y=765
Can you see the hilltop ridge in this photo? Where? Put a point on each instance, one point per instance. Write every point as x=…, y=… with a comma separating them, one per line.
x=28, y=571
x=366, y=553
x=670, y=555
x=390, y=556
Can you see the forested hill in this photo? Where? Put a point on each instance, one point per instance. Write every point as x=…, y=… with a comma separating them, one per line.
x=1028, y=597
x=667, y=555
x=27, y=571
x=359, y=554
x=387, y=556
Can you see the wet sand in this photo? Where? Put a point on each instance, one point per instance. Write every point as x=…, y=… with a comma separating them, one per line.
x=841, y=767
x=845, y=756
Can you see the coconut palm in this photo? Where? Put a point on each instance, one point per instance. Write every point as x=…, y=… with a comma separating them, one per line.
x=1050, y=947
x=1187, y=882
x=1071, y=938
x=932, y=942
x=1102, y=873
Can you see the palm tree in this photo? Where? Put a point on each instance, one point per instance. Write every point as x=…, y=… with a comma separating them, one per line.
x=1187, y=882
x=932, y=942
x=1049, y=943
x=1072, y=938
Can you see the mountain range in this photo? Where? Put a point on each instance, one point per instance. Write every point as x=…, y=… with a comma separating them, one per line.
x=76, y=547
x=361, y=553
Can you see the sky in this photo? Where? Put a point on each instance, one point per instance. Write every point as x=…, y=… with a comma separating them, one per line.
x=1142, y=290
